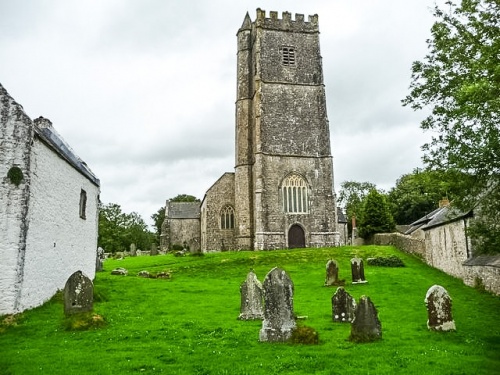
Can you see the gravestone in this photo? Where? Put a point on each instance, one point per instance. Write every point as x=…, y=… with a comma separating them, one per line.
x=357, y=271
x=154, y=250
x=366, y=326
x=279, y=320
x=133, y=250
x=438, y=303
x=332, y=273
x=99, y=259
x=119, y=271
x=343, y=306
x=78, y=294
x=252, y=296
x=144, y=274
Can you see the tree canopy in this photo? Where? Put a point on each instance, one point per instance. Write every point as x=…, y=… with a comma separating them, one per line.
x=351, y=196
x=459, y=80
x=184, y=198
x=376, y=216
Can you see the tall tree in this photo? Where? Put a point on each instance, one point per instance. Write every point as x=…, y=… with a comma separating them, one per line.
x=158, y=218
x=376, y=215
x=351, y=196
x=459, y=80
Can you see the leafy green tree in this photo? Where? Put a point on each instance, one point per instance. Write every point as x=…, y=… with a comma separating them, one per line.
x=158, y=218
x=184, y=198
x=376, y=215
x=351, y=196
x=418, y=193
x=459, y=80
x=118, y=230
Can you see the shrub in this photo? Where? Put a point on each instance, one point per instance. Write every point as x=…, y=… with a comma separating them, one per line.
x=390, y=261
x=304, y=335
x=83, y=321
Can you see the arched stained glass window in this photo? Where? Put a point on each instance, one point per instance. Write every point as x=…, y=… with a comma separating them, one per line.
x=227, y=218
x=294, y=193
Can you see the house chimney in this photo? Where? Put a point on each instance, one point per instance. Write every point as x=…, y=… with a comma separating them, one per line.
x=444, y=202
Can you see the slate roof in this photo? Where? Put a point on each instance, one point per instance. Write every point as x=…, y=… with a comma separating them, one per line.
x=439, y=216
x=183, y=210
x=484, y=260
x=50, y=136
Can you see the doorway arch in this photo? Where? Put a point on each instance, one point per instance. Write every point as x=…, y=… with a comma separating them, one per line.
x=296, y=237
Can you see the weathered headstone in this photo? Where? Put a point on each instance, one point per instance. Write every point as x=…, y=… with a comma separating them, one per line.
x=133, y=250
x=438, y=303
x=144, y=274
x=357, y=271
x=154, y=250
x=332, y=273
x=343, y=306
x=279, y=320
x=99, y=259
x=366, y=326
x=78, y=294
x=252, y=295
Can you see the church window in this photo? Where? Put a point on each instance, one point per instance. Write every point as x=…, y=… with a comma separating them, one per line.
x=83, y=203
x=227, y=218
x=294, y=193
x=288, y=56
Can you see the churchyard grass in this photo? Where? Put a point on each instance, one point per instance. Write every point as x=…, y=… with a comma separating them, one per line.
x=187, y=324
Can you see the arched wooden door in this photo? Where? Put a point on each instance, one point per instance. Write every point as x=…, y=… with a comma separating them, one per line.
x=296, y=237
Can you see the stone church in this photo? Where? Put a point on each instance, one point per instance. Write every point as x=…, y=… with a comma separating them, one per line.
x=281, y=192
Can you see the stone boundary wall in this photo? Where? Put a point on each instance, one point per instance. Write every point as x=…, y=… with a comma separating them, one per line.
x=482, y=269
x=403, y=242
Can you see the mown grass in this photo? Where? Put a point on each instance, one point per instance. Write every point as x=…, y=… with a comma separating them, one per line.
x=187, y=324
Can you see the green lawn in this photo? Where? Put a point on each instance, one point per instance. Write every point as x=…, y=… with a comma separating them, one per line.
x=188, y=324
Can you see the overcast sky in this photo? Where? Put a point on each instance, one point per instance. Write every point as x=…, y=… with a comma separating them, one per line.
x=144, y=91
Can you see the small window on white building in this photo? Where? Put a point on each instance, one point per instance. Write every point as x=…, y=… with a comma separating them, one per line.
x=288, y=56
x=227, y=218
x=295, y=194
x=83, y=203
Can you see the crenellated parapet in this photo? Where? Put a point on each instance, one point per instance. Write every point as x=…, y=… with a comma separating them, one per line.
x=286, y=23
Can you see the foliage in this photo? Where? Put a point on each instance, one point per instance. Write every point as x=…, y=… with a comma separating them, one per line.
x=390, y=261
x=304, y=335
x=118, y=230
x=15, y=175
x=184, y=198
x=376, y=216
x=158, y=218
x=188, y=325
x=459, y=80
x=83, y=321
x=351, y=196
x=416, y=194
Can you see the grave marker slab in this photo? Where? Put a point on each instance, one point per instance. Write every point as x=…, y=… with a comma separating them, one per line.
x=343, y=306
x=438, y=303
x=252, y=296
x=279, y=320
x=332, y=273
x=357, y=271
x=78, y=294
x=366, y=326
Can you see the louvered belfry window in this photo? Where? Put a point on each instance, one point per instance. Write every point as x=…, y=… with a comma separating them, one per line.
x=288, y=56
x=295, y=195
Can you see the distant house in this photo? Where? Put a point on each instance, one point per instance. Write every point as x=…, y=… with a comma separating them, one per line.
x=48, y=210
x=181, y=226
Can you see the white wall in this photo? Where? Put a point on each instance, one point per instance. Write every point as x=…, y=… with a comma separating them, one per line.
x=59, y=242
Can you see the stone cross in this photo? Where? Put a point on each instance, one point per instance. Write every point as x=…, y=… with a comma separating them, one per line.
x=78, y=294
x=366, y=326
x=343, y=306
x=279, y=319
x=438, y=303
x=252, y=297
x=357, y=271
x=332, y=273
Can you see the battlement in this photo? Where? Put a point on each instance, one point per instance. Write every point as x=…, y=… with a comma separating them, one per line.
x=286, y=23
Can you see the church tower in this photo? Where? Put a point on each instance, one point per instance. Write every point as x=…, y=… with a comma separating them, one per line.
x=283, y=179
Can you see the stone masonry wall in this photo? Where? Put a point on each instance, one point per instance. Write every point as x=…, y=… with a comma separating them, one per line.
x=16, y=133
x=403, y=242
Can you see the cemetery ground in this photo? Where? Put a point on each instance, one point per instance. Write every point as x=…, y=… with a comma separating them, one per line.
x=187, y=324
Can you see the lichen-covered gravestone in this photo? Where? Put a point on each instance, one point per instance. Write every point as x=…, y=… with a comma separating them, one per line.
x=343, y=306
x=366, y=326
x=332, y=274
x=252, y=296
x=438, y=303
x=133, y=250
x=279, y=319
x=154, y=250
x=357, y=271
x=78, y=294
x=99, y=259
